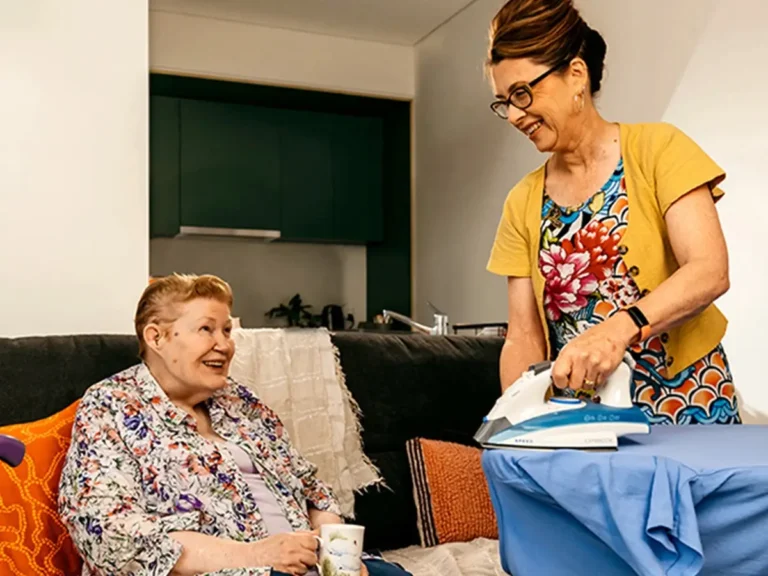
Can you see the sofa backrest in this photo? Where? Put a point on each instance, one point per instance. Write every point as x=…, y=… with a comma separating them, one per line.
x=407, y=386
x=44, y=374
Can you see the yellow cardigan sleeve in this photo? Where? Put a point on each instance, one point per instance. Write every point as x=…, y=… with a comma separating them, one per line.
x=681, y=166
x=510, y=254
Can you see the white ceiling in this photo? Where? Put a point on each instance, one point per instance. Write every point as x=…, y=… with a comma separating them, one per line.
x=391, y=21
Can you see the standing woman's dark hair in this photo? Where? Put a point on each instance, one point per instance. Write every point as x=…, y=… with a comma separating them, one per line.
x=549, y=32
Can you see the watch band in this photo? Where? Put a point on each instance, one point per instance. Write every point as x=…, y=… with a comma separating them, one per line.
x=640, y=321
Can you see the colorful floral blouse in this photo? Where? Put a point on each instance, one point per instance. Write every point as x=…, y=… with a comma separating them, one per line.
x=138, y=470
x=586, y=281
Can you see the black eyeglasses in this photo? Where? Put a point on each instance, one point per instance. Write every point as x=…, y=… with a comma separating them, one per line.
x=522, y=95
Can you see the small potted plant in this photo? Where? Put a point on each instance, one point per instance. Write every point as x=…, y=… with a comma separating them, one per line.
x=296, y=313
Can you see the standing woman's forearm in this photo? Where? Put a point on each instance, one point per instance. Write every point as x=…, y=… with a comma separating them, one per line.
x=525, y=344
x=699, y=246
x=517, y=354
x=684, y=295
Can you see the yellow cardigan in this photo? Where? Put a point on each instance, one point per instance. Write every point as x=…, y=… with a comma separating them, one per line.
x=661, y=164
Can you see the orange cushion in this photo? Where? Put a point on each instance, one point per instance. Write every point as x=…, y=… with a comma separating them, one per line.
x=452, y=499
x=33, y=540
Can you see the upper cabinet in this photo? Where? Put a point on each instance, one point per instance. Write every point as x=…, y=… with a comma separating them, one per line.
x=357, y=158
x=230, y=166
x=163, y=166
x=306, y=185
x=312, y=176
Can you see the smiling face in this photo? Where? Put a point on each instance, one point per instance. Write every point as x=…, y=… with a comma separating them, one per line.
x=191, y=356
x=551, y=122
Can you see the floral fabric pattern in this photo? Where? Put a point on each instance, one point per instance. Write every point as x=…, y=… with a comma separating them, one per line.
x=137, y=470
x=587, y=281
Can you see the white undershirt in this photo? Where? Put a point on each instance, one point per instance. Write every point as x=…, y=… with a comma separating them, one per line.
x=271, y=512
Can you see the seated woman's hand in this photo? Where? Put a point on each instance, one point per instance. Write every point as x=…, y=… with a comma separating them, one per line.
x=293, y=552
x=589, y=359
x=319, y=517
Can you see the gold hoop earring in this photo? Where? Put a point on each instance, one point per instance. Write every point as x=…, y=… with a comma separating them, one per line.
x=579, y=100
x=578, y=103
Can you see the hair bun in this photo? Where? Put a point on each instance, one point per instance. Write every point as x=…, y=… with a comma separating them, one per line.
x=593, y=52
x=549, y=32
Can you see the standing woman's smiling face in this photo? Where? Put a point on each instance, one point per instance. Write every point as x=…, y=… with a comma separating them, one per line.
x=551, y=121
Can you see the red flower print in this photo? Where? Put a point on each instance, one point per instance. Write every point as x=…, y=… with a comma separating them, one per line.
x=601, y=246
x=621, y=291
x=567, y=280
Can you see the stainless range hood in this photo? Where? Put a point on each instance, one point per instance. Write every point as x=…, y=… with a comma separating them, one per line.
x=264, y=235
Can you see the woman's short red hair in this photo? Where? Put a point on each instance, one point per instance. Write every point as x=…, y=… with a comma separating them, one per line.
x=157, y=303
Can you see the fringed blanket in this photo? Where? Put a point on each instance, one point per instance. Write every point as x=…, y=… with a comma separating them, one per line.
x=479, y=557
x=297, y=373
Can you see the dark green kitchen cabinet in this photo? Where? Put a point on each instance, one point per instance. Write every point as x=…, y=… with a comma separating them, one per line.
x=313, y=176
x=163, y=166
x=357, y=164
x=306, y=181
x=230, y=166
x=331, y=184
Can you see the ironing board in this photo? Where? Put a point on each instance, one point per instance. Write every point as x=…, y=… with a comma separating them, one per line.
x=679, y=501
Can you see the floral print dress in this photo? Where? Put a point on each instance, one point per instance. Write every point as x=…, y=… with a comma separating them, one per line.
x=137, y=470
x=587, y=281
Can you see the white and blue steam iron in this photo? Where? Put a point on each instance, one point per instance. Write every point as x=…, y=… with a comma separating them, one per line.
x=523, y=418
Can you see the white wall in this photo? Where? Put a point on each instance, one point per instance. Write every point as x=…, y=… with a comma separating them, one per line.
x=720, y=101
x=266, y=275
x=681, y=68
x=207, y=47
x=73, y=165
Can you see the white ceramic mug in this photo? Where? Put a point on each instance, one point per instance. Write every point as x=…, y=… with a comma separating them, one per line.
x=341, y=549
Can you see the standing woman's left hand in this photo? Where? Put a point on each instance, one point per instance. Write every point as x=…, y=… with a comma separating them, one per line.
x=589, y=359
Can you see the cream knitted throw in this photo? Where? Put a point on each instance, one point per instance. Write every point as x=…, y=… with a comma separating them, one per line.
x=297, y=373
x=479, y=557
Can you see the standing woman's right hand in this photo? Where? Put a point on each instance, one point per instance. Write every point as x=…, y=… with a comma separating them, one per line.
x=293, y=552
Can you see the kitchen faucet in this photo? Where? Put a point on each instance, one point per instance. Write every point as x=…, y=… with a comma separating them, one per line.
x=440, y=327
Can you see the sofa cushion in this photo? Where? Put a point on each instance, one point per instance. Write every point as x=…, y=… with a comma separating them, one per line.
x=451, y=493
x=33, y=539
x=382, y=509
x=41, y=375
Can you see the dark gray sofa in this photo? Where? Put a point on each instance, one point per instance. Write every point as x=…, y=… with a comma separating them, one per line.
x=407, y=386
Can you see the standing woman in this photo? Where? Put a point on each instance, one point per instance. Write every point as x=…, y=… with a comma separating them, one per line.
x=613, y=244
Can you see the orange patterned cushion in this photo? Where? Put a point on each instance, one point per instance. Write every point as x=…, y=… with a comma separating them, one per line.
x=33, y=540
x=452, y=499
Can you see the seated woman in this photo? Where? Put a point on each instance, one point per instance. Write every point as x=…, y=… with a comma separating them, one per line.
x=176, y=469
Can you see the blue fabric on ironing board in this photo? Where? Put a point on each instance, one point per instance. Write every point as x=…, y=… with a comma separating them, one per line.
x=681, y=501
